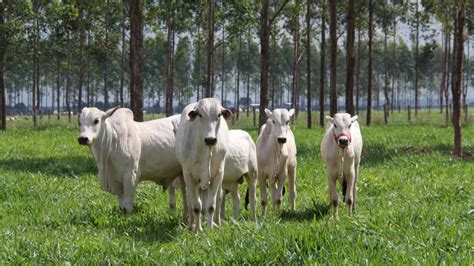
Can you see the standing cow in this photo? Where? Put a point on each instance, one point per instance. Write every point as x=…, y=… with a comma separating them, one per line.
x=276, y=155
x=241, y=161
x=201, y=146
x=128, y=152
x=341, y=149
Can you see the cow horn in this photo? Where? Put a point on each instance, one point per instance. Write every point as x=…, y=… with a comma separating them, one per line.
x=110, y=112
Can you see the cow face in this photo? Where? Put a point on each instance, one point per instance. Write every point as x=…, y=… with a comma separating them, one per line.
x=209, y=113
x=341, y=128
x=280, y=119
x=91, y=121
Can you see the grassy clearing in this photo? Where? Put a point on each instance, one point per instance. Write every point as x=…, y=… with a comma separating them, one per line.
x=415, y=206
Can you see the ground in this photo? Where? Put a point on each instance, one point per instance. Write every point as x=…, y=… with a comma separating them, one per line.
x=415, y=205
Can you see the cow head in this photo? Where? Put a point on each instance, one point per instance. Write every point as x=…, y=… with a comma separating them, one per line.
x=341, y=128
x=209, y=113
x=91, y=121
x=280, y=119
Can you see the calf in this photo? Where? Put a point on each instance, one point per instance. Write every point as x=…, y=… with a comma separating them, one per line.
x=276, y=156
x=341, y=149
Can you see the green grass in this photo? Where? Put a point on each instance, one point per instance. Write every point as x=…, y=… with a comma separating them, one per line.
x=415, y=205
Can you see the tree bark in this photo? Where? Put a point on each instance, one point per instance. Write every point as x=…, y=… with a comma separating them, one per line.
x=322, y=74
x=136, y=59
x=35, y=63
x=210, y=50
x=333, y=63
x=264, y=59
x=122, y=59
x=308, y=63
x=350, y=58
x=68, y=76
x=386, y=81
x=169, y=65
x=58, y=89
x=3, y=105
x=369, y=68
x=296, y=55
x=223, y=64
x=417, y=44
x=457, y=76
x=237, y=95
x=81, y=59
x=357, y=75
x=466, y=82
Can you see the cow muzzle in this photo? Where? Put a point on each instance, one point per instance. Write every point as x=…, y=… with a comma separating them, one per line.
x=210, y=141
x=281, y=140
x=83, y=140
x=343, y=142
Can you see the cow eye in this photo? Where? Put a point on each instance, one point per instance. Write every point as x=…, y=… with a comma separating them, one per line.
x=335, y=126
x=350, y=125
x=219, y=116
x=287, y=122
x=273, y=121
x=199, y=115
x=96, y=121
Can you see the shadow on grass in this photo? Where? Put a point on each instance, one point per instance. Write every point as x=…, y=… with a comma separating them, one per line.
x=51, y=166
x=317, y=211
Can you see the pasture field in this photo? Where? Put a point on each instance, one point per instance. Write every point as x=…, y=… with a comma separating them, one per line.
x=415, y=205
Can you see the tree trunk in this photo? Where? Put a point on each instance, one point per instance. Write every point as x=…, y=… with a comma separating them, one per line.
x=264, y=59
x=169, y=66
x=444, y=79
x=386, y=81
x=446, y=82
x=136, y=58
x=68, y=76
x=333, y=64
x=466, y=82
x=237, y=95
x=223, y=64
x=369, y=70
x=322, y=74
x=3, y=105
x=210, y=50
x=35, y=62
x=457, y=76
x=122, y=60
x=81, y=59
x=296, y=55
x=248, y=94
x=350, y=58
x=308, y=63
x=357, y=75
x=58, y=89
x=106, y=74
x=417, y=44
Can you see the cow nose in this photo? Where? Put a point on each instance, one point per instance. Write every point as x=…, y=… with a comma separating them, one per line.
x=343, y=141
x=210, y=141
x=281, y=140
x=83, y=140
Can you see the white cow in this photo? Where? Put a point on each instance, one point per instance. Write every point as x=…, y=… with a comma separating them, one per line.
x=201, y=146
x=240, y=162
x=341, y=150
x=276, y=155
x=128, y=152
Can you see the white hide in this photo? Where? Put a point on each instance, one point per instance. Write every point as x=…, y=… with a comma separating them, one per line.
x=277, y=160
x=128, y=152
x=342, y=161
x=203, y=164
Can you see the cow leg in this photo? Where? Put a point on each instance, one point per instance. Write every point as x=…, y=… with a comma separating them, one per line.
x=211, y=197
x=332, y=178
x=292, y=185
x=349, y=196
x=223, y=193
x=172, y=199
x=194, y=203
x=253, y=195
x=236, y=201
x=129, y=188
x=182, y=186
x=219, y=202
x=278, y=191
x=262, y=183
x=354, y=190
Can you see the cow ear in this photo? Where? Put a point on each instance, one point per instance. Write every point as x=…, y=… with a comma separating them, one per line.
x=110, y=112
x=354, y=118
x=291, y=112
x=226, y=113
x=83, y=110
x=193, y=114
x=268, y=112
x=329, y=119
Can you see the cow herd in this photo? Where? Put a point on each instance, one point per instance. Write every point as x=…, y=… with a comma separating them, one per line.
x=196, y=152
